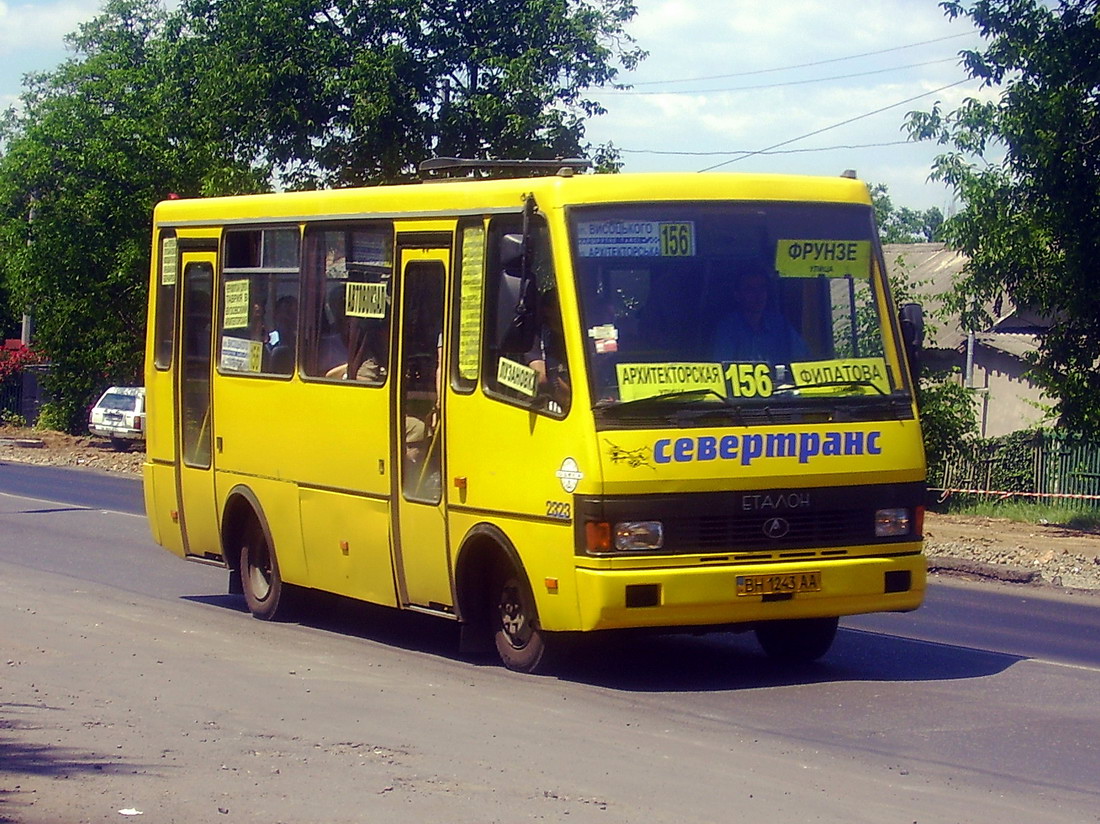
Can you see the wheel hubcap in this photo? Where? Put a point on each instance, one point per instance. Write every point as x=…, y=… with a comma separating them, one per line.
x=513, y=616
x=259, y=572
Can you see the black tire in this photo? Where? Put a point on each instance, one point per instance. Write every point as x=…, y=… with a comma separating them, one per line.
x=268, y=598
x=521, y=644
x=798, y=641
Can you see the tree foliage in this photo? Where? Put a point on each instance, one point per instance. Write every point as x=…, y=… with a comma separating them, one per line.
x=95, y=145
x=241, y=95
x=1026, y=166
x=904, y=225
x=347, y=92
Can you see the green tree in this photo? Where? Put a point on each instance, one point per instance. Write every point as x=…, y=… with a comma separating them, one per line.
x=95, y=145
x=345, y=93
x=904, y=225
x=1026, y=167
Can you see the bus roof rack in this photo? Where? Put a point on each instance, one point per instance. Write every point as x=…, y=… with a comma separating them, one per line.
x=472, y=167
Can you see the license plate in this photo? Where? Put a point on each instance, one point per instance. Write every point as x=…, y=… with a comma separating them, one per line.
x=778, y=584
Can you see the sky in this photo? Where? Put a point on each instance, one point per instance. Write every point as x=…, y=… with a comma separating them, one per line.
x=789, y=86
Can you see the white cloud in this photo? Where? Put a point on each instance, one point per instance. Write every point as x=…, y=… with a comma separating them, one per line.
x=746, y=43
x=29, y=27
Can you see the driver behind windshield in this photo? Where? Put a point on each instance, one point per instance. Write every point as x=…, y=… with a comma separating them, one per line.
x=756, y=330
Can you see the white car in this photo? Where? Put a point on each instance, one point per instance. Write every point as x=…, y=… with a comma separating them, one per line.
x=119, y=414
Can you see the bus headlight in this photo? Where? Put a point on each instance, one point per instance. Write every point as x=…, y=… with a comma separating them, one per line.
x=635, y=535
x=891, y=523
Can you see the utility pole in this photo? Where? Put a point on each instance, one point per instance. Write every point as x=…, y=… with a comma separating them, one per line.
x=28, y=318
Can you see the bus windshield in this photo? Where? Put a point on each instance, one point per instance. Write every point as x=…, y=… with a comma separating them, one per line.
x=732, y=303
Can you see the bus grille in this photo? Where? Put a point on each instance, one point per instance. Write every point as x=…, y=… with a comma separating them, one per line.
x=719, y=533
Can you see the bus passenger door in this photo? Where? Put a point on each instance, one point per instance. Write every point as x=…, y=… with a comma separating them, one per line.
x=195, y=473
x=420, y=535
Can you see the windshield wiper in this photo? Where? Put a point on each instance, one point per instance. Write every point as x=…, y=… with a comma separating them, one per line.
x=830, y=384
x=677, y=413
x=680, y=394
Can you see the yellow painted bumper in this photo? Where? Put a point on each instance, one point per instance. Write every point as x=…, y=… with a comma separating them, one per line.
x=708, y=595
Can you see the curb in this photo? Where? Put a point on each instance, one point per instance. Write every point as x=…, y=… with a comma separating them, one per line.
x=996, y=572
x=26, y=443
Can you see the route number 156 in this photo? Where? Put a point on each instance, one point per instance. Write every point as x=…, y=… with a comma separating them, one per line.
x=750, y=380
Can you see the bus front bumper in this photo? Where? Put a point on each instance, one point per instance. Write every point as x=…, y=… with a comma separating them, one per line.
x=692, y=597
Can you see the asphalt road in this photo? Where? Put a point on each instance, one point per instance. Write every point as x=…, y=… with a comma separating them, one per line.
x=131, y=682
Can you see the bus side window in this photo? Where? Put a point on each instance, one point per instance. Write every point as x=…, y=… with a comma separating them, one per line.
x=259, y=302
x=166, y=300
x=467, y=309
x=524, y=361
x=347, y=296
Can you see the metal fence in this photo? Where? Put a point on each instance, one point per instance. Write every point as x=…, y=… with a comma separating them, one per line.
x=11, y=395
x=23, y=394
x=1038, y=465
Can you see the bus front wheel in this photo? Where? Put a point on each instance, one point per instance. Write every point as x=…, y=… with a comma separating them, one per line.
x=521, y=644
x=264, y=592
x=800, y=640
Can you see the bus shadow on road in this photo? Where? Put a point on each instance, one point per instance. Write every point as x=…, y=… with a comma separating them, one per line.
x=646, y=662
x=725, y=661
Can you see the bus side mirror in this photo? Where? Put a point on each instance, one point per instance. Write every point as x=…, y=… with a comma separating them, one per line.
x=911, y=320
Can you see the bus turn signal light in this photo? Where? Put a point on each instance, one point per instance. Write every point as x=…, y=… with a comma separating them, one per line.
x=598, y=536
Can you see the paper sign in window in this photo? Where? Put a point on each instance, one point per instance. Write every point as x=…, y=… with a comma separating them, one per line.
x=469, y=310
x=517, y=376
x=823, y=258
x=646, y=380
x=241, y=355
x=365, y=300
x=169, y=262
x=867, y=373
x=635, y=238
x=236, y=304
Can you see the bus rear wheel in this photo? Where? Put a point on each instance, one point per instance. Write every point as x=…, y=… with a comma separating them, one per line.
x=797, y=641
x=521, y=644
x=264, y=592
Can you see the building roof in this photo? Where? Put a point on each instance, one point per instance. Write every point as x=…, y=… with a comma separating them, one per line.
x=931, y=269
x=1011, y=343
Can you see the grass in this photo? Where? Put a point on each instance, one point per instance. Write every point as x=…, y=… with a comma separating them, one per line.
x=1078, y=515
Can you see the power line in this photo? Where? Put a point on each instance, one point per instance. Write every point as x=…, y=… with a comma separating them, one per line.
x=804, y=65
x=764, y=151
x=835, y=125
x=619, y=92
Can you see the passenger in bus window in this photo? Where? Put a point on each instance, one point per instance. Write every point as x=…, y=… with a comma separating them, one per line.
x=284, y=338
x=332, y=348
x=547, y=356
x=756, y=330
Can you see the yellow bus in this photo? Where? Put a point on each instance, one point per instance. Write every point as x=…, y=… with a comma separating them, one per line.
x=543, y=405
